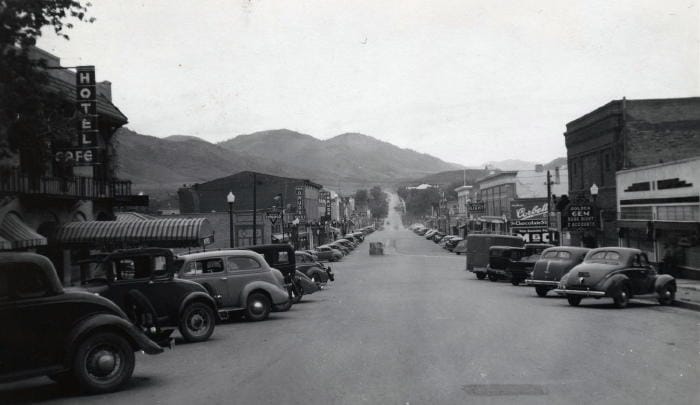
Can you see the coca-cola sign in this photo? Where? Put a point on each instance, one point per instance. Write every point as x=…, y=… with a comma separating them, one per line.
x=529, y=212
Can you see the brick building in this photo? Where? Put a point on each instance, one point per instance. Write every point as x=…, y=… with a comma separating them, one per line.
x=625, y=134
x=210, y=197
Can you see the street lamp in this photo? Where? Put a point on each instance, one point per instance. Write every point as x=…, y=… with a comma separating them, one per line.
x=230, y=199
x=594, y=191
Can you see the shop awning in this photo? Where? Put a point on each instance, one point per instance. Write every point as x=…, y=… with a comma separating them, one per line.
x=163, y=232
x=132, y=216
x=15, y=234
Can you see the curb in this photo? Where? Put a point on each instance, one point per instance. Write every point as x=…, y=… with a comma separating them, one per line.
x=687, y=305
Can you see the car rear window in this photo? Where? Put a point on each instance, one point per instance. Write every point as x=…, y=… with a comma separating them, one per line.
x=22, y=280
x=550, y=255
x=606, y=255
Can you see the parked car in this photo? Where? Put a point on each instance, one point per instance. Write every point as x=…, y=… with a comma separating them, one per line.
x=142, y=283
x=478, y=250
x=452, y=244
x=307, y=285
x=326, y=252
x=505, y=263
x=74, y=337
x=281, y=257
x=552, y=265
x=359, y=235
x=313, y=253
x=437, y=237
x=316, y=271
x=618, y=273
x=340, y=247
x=430, y=233
x=460, y=247
x=239, y=281
x=346, y=243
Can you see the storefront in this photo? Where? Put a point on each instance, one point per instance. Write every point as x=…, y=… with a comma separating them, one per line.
x=659, y=213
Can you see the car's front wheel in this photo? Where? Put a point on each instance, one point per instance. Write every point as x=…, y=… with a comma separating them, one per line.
x=102, y=363
x=492, y=277
x=574, y=300
x=480, y=276
x=257, y=307
x=541, y=291
x=666, y=295
x=622, y=297
x=197, y=322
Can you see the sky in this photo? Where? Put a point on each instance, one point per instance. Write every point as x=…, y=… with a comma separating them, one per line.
x=466, y=81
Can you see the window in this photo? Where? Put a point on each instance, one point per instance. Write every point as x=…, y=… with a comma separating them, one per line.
x=564, y=255
x=282, y=257
x=550, y=255
x=204, y=267
x=242, y=263
x=299, y=258
x=607, y=162
x=679, y=213
x=23, y=280
x=606, y=255
x=635, y=213
x=643, y=260
x=636, y=262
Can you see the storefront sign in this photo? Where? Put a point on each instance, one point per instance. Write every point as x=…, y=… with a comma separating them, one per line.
x=581, y=216
x=86, y=99
x=300, y=198
x=537, y=235
x=476, y=207
x=531, y=213
x=77, y=156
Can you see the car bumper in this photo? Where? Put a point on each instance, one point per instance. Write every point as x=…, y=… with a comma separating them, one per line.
x=583, y=293
x=477, y=270
x=542, y=283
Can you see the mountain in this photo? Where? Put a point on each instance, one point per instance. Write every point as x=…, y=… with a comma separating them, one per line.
x=159, y=166
x=449, y=178
x=515, y=164
x=346, y=158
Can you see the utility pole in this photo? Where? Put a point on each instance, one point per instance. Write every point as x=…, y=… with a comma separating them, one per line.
x=255, y=210
x=549, y=204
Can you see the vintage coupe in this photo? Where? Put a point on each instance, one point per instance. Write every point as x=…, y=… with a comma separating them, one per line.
x=142, y=283
x=325, y=252
x=618, y=273
x=312, y=268
x=74, y=337
x=552, y=265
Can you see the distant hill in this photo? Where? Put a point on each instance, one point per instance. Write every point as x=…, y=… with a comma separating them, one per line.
x=350, y=157
x=515, y=164
x=159, y=166
x=447, y=178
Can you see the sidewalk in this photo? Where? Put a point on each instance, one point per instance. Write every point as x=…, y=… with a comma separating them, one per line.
x=688, y=294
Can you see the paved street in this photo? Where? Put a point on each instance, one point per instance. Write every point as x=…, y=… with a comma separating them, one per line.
x=414, y=327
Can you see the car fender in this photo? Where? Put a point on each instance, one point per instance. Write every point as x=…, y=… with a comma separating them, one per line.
x=277, y=295
x=664, y=280
x=197, y=296
x=613, y=283
x=316, y=271
x=108, y=322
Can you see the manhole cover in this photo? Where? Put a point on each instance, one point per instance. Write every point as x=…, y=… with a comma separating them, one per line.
x=504, y=389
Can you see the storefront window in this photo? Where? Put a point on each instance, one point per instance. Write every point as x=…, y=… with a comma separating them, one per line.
x=679, y=213
x=635, y=213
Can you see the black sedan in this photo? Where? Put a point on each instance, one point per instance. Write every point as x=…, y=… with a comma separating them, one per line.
x=552, y=265
x=617, y=273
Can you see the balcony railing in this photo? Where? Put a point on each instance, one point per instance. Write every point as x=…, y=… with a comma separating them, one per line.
x=73, y=187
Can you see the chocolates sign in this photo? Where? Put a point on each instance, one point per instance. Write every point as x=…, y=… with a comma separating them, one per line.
x=530, y=213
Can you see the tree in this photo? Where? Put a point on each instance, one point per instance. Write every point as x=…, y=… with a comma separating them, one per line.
x=32, y=118
x=378, y=202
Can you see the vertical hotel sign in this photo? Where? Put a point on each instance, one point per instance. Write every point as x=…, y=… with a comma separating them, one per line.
x=301, y=212
x=326, y=200
x=85, y=154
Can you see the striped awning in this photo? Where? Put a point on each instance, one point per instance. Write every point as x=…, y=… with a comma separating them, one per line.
x=15, y=234
x=163, y=232
x=132, y=216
